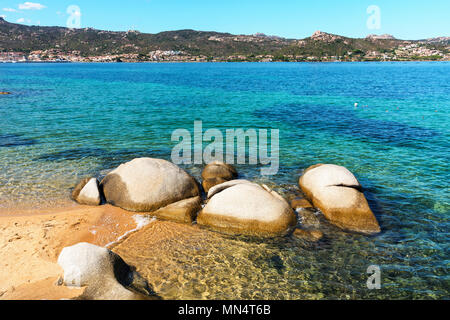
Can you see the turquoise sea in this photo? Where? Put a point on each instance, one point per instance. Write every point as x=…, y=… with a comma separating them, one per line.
x=66, y=121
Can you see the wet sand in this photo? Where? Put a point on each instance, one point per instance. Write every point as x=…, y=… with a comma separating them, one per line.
x=180, y=261
x=31, y=241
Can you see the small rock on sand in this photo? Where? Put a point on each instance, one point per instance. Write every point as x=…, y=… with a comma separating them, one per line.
x=104, y=274
x=87, y=192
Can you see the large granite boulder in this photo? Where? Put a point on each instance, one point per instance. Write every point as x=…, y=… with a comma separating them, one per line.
x=103, y=274
x=247, y=208
x=216, y=173
x=338, y=194
x=153, y=185
x=87, y=192
x=220, y=187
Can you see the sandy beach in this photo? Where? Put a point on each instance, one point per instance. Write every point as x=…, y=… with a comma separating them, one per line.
x=30, y=243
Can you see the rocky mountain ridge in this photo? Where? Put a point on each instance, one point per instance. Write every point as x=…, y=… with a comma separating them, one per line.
x=22, y=43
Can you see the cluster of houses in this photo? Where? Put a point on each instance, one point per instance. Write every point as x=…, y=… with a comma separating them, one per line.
x=417, y=50
x=413, y=51
x=13, y=57
x=56, y=55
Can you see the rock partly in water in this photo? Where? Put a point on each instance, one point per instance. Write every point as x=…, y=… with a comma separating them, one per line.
x=87, y=192
x=184, y=211
x=216, y=173
x=308, y=218
x=103, y=274
x=220, y=187
x=247, y=208
x=149, y=185
x=310, y=235
x=300, y=203
x=338, y=194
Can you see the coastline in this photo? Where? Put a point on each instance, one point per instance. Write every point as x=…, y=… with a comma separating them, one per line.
x=30, y=243
x=214, y=62
x=379, y=140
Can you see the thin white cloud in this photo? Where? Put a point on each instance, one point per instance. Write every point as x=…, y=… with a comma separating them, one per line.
x=31, y=6
x=23, y=20
x=9, y=10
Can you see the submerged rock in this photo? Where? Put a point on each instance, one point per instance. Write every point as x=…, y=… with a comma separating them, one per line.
x=247, y=208
x=308, y=218
x=300, y=203
x=87, y=192
x=216, y=173
x=103, y=273
x=149, y=185
x=310, y=235
x=338, y=194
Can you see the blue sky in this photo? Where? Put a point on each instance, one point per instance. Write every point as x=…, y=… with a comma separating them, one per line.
x=404, y=19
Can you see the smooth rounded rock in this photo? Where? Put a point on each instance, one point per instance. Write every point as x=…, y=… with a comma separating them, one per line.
x=103, y=273
x=207, y=184
x=87, y=192
x=247, y=208
x=338, y=194
x=216, y=173
x=220, y=187
x=184, y=211
x=147, y=185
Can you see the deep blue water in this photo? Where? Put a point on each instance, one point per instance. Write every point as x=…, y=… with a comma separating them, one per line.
x=65, y=121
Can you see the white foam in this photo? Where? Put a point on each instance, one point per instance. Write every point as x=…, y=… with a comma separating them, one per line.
x=141, y=221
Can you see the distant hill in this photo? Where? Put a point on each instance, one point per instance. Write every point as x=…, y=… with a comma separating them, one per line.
x=213, y=45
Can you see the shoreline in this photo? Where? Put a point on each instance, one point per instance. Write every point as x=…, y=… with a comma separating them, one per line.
x=31, y=242
x=212, y=62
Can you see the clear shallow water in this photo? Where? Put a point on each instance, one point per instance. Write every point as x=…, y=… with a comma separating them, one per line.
x=66, y=121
